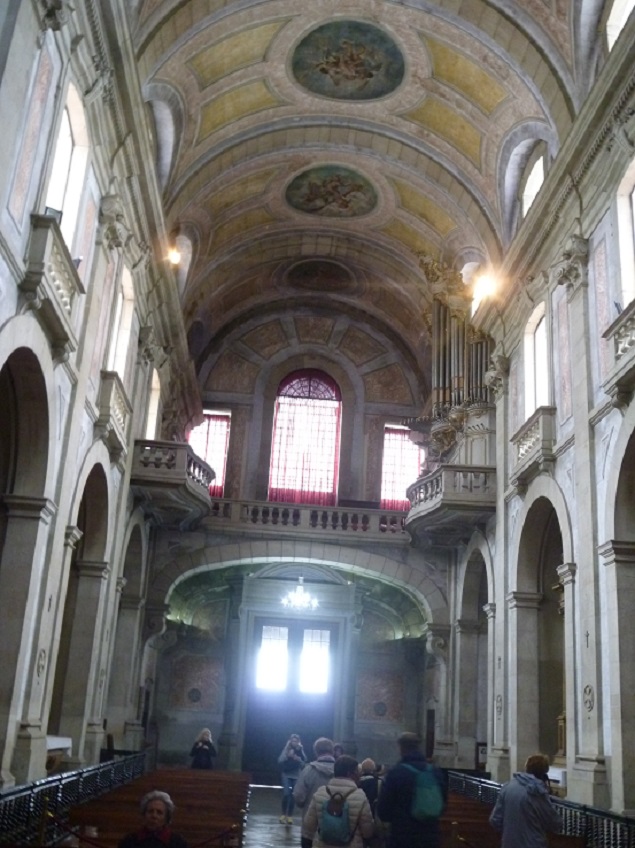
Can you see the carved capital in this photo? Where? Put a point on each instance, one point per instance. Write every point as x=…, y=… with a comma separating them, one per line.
x=55, y=13
x=572, y=270
x=496, y=376
x=113, y=228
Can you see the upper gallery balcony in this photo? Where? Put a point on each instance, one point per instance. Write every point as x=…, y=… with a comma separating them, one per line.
x=171, y=483
x=450, y=502
x=343, y=524
x=51, y=285
x=534, y=446
x=621, y=335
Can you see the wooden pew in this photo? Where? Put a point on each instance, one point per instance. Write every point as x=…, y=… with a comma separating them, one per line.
x=210, y=807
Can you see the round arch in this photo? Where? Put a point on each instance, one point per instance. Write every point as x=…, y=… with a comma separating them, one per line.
x=544, y=487
x=410, y=575
x=22, y=338
x=616, y=464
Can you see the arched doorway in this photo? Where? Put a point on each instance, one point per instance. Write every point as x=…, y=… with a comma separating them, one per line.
x=470, y=668
x=25, y=519
x=536, y=607
x=124, y=695
x=78, y=675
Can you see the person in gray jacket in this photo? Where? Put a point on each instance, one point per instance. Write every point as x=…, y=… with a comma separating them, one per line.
x=524, y=812
x=315, y=774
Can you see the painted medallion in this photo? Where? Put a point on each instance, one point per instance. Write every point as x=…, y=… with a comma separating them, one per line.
x=331, y=191
x=348, y=60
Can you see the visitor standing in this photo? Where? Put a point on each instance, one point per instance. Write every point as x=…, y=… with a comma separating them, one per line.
x=523, y=811
x=292, y=760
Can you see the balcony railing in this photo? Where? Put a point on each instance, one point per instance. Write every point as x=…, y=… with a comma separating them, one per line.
x=450, y=502
x=621, y=335
x=306, y=520
x=51, y=285
x=171, y=482
x=534, y=447
x=114, y=415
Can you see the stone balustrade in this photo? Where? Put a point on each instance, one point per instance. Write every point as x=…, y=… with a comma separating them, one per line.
x=114, y=415
x=449, y=502
x=534, y=445
x=51, y=285
x=171, y=482
x=298, y=519
x=620, y=383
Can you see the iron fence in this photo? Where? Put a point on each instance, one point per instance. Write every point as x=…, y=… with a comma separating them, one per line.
x=36, y=813
x=599, y=828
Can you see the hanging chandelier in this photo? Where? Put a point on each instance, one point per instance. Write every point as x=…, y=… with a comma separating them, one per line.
x=299, y=598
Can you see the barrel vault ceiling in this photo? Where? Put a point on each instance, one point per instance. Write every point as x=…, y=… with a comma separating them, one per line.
x=318, y=156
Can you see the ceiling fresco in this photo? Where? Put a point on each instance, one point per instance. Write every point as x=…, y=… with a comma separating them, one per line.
x=348, y=60
x=332, y=191
x=322, y=155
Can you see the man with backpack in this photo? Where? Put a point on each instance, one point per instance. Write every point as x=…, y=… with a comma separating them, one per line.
x=412, y=798
x=339, y=813
x=317, y=773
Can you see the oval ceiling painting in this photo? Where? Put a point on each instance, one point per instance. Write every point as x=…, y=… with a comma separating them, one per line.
x=331, y=191
x=348, y=60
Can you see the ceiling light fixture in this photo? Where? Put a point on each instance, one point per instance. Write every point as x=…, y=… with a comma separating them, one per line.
x=299, y=598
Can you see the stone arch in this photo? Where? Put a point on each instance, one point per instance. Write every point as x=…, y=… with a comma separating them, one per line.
x=25, y=349
x=27, y=448
x=410, y=574
x=79, y=673
x=543, y=487
x=535, y=605
x=616, y=512
x=471, y=633
x=618, y=559
x=123, y=691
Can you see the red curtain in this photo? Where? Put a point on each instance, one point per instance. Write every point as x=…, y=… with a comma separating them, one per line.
x=210, y=441
x=305, y=451
x=401, y=467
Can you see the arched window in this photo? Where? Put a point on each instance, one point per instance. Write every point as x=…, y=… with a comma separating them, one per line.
x=122, y=327
x=306, y=440
x=401, y=467
x=626, y=229
x=210, y=440
x=153, y=406
x=533, y=183
x=616, y=21
x=69, y=166
x=536, y=361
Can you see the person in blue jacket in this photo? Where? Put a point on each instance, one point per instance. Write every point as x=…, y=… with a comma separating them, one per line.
x=397, y=792
x=523, y=811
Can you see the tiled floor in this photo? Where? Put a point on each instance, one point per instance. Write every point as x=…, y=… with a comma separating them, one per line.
x=263, y=830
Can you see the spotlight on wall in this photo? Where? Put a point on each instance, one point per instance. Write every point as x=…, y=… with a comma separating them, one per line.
x=174, y=254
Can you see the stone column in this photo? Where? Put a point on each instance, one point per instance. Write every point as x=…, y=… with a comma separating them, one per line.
x=349, y=653
x=466, y=669
x=82, y=673
x=439, y=692
x=619, y=561
x=235, y=661
x=572, y=272
x=498, y=763
x=122, y=693
x=524, y=692
x=566, y=574
x=21, y=572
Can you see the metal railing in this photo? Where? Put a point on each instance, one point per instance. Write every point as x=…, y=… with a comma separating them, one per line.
x=599, y=828
x=36, y=813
